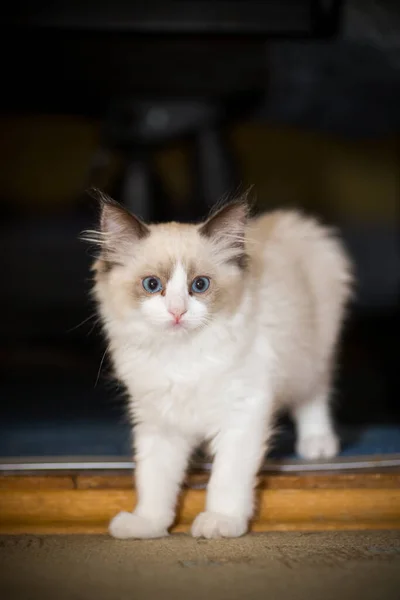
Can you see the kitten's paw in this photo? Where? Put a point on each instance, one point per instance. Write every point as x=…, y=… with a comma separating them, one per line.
x=214, y=525
x=316, y=446
x=127, y=525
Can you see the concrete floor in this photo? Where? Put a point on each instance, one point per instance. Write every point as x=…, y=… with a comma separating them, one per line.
x=281, y=566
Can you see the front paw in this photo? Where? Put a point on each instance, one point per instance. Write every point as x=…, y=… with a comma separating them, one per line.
x=127, y=525
x=312, y=447
x=215, y=525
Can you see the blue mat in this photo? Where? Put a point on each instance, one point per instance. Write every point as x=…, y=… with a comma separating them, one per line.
x=104, y=438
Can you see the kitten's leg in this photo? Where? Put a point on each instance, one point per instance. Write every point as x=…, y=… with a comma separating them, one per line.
x=239, y=449
x=316, y=437
x=161, y=461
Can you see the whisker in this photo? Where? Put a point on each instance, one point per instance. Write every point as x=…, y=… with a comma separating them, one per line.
x=101, y=365
x=96, y=322
x=82, y=322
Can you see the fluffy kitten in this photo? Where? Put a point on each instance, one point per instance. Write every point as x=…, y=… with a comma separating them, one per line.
x=213, y=328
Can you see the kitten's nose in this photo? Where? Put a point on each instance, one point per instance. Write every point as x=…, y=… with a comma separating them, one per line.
x=177, y=313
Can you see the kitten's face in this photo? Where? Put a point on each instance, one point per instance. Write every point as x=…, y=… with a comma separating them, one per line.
x=170, y=278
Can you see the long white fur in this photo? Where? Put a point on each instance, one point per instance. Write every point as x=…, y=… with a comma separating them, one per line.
x=223, y=375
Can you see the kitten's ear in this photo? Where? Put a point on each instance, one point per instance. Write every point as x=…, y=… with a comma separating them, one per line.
x=119, y=230
x=226, y=228
x=229, y=221
x=116, y=221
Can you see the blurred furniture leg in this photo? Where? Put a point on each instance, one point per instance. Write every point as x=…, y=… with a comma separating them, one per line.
x=215, y=175
x=136, y=193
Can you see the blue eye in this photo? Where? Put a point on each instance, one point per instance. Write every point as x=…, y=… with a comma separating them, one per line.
x=152, y=284
x=200, y=285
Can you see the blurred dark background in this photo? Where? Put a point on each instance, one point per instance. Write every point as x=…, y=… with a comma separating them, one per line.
x=168, y=106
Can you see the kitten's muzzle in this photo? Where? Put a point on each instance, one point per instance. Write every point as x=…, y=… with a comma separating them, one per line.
x=177, y=315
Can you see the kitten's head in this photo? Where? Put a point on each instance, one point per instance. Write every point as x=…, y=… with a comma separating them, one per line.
x=169, y=277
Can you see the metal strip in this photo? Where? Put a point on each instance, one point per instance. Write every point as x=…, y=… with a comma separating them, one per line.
x=65, y=464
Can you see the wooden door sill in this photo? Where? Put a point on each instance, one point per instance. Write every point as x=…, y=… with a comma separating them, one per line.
x=70, y=502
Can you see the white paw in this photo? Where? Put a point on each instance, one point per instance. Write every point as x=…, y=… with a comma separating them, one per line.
x=324, y=445
x=214, y=525
x=127, y=525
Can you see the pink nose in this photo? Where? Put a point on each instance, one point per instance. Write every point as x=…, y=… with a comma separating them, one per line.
x=177, y=314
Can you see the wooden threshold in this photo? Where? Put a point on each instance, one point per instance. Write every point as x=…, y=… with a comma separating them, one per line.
x=84, y=502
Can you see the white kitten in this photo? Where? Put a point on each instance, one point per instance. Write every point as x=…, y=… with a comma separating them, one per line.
x=213, y=328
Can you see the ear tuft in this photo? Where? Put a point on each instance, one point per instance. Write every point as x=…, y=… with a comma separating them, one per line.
x=119, y=229
x=116, y=220
x=228, y=220
x=226, y=229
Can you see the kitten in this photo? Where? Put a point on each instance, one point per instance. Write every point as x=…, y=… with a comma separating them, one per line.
x=213, y=328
